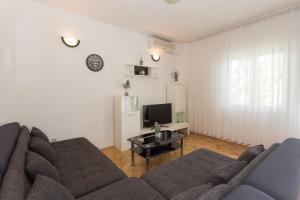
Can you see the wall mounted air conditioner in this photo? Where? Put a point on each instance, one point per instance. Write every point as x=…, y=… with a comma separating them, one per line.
x=162, y=46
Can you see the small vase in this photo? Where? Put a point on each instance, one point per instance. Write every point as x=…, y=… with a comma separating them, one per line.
x=126, y=93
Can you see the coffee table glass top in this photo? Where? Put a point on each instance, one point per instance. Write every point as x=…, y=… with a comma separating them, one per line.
x=150, y=141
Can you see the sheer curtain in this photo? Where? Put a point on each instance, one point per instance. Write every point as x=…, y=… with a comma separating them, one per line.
x=245, y=83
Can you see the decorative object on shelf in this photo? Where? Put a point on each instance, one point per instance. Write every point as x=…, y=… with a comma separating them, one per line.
x=155, y=57
x=141, y=60
x=126, y=86
x=94, y=62
x=157, y=130
x=70, y=41
x=175, y=76
x=142, y=72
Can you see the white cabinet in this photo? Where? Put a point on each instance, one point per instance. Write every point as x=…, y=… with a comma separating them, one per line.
x=177, y=95
x=127, y=121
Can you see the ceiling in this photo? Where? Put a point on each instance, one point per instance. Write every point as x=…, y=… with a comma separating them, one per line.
x=185, y=21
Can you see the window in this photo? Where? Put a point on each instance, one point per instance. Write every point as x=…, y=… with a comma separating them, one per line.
x=257, y=82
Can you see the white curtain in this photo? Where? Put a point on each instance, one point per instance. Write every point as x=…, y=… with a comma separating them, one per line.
x=245, y=83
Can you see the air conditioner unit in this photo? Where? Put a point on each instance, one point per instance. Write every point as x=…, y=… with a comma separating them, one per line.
x=162, y=46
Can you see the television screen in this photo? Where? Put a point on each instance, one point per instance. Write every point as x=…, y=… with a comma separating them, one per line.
x=161, y=113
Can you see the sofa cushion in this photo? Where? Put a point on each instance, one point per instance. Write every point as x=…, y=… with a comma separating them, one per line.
x=251, y=153
x=246, y=192
x=193, y=193
x=15, y=185
x=216, y=193
x=38, y=133
x=278, y=175
x=1, y=178
x=46, y=188
x=83, y=168
x=185, y=173
x=125, y=189
x=37, y=165
x=43, y=148
x=9, y=134
x=224, y=173
x=234, y=182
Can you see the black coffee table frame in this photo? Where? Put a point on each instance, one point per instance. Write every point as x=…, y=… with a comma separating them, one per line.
x=149, y=147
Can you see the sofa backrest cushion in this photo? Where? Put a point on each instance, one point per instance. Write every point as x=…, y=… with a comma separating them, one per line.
x=46, y=188
x=216, y=193
x=224, y=173
x=37, y=165
x=15, y=185
x=246, y=192
x=40, y=146
x=234, y=182
x=38, y=133
x=251, y=153
x=278, y=174
x=9, y=134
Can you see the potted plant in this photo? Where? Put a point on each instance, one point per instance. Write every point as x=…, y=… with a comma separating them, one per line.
x=157, y=130
x=126, y=86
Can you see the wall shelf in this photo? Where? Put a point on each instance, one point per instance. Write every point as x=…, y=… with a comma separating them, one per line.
x=141, y=71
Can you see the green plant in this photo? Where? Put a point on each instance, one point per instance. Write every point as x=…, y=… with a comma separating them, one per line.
x=157, y=128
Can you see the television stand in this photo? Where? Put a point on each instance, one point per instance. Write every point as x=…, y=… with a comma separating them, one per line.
x=182, y=127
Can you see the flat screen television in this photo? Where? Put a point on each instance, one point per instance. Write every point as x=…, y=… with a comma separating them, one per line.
x=161, y=113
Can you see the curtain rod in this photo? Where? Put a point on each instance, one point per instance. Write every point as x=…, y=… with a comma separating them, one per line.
x=252, y=21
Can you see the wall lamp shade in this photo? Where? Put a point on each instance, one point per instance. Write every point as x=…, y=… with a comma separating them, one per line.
x=155, y=57
x=70, y=42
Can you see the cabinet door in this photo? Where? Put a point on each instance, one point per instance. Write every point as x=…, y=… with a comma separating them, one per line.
x=131, y=126
x=180, y=98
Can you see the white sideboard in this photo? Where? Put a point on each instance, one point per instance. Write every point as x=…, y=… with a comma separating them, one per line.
x=182, y=127
x=127, y=120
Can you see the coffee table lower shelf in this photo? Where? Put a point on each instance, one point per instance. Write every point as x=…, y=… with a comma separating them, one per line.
x=155, y=152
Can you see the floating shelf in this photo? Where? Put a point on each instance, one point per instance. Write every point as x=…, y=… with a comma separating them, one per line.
x=141, y=71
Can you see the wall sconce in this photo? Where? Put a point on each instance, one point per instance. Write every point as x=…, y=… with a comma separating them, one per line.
x=155, y=57
x=70, y=42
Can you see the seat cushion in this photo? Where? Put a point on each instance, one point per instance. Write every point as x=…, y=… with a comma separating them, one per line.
x=224, y=173
x=125, y=189
x=83, y=168
x=37, y=165
x=185, y=173
x=43, y=148
x=46, y=188
x=278, y=175
x=246, y=192
x=251, y=153
x=38, y=133
x=9, y=134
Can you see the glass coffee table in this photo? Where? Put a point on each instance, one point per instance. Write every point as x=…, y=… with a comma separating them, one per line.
x=148, y=146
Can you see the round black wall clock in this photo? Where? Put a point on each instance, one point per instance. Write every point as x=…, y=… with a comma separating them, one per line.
x=94, y=62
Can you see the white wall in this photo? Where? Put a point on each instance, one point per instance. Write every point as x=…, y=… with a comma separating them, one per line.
x=45, y=84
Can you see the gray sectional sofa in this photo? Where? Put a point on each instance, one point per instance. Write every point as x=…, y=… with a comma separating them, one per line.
x=85, y=173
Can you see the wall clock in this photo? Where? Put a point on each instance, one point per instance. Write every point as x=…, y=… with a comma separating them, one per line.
x=94, y=62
